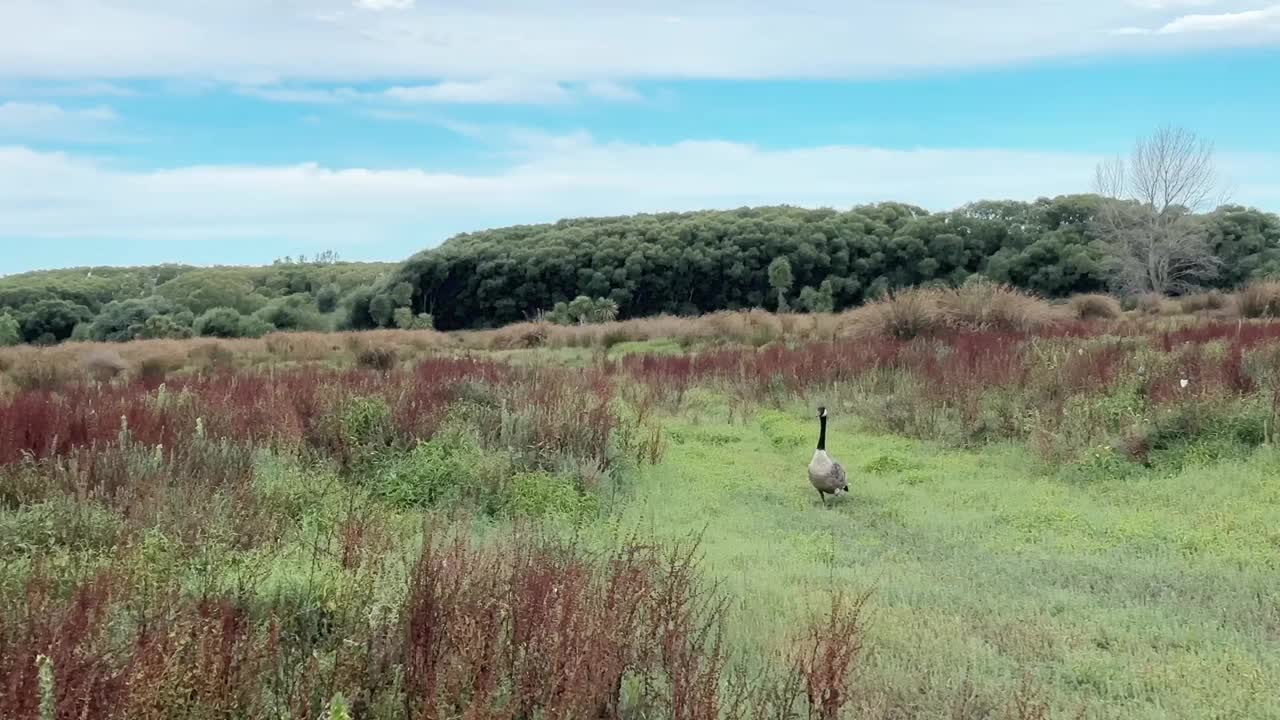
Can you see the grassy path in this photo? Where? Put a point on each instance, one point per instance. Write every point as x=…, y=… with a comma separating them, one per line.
x=1143, y=597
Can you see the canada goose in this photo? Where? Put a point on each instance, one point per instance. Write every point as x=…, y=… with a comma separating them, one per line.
x=827, y=475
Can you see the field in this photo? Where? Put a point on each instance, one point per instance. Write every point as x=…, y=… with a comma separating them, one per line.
x=1048, y=517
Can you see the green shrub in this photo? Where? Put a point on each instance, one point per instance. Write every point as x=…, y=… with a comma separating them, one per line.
x=10, y=331
x=226, y=323
x=542, y=494
x=450, y=470
x=366, y=422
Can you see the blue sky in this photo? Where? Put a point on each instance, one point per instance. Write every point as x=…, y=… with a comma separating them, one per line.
x=139, y=131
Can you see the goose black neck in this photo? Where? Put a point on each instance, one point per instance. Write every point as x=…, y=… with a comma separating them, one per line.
x=822, y=436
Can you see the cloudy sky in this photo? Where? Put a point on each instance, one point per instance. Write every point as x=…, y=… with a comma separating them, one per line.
x=238, y=131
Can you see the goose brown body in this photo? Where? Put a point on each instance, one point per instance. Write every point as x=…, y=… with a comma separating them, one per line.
x=826, y=475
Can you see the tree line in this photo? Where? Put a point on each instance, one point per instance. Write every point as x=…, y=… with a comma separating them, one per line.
x=790, y=258
x=179, y=301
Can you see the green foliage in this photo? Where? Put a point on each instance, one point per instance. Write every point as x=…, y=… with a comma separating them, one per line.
x=366, y=422
x=542, y=494
x=780, y=279
x=382, y=310
x=293, y=312
x=48, y=688
x=227, y=323
x=10, y=330
x=327, y=298
x=401, y=294
x=406, y=320
x=584, y=310
x=52, y=321
x=450, y=470
x=129, y=297
x=124, y=320
x=697, y=262
x=338, y=708
x=170, y=327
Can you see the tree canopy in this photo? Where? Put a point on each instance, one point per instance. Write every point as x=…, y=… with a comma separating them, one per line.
x=696, y=262
x=119, y=304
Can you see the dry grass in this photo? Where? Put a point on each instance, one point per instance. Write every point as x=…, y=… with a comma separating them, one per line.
x=977, y=306
x=904, y=316
x=1209, y=302
x=748, y=327
x=104, y=364
x=1259, y=300
x=1157, y=304
x=991, y=306
x=1095, y=307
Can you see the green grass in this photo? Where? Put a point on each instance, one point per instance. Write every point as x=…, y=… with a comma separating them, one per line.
x=1143, y=596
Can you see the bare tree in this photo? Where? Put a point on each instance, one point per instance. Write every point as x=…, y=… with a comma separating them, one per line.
x=1147, y=224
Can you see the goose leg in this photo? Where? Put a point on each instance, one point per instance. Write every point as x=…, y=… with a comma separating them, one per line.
x=823, y=497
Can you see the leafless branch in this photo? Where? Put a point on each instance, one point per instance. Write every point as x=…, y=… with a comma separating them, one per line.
x=1147, y=226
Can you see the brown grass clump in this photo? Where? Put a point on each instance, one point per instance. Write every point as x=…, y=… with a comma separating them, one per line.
x=986, y=305
x=1095, y=307
x=1157, y=304
x=104, y=364
x=1259, y=300
x=921, y=312
x=1204, y=302
x=382, y=359
x=211, y=356
x=32, y=368
x=904, y=316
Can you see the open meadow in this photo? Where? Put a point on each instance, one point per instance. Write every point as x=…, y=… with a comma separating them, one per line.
x=1050, y=514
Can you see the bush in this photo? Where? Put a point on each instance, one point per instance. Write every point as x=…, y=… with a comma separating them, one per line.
x=104, y=365
x=383, y=359
x=211, y=357
x=166, y=327
x=1203, y=302
x=541, y=494
x=406, y=320
x=220, y=322
x=291, y=313
x=984, y=305
x=904, y=316
x=10, y=331
x=1150, y=303
x=1260, y=300
x=1095, y=307
x=441, y=472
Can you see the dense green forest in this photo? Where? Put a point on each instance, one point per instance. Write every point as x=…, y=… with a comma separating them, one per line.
x=689, y=263
x=632, y=266
x=178, y=301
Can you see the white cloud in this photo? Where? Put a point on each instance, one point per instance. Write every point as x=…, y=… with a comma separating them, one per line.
x=1171, y=4
x=48, y=196
x=66, y=89
x=496, y=91
x=562, y=40
x=511, y=91
x=1130, y=31
x=609, y=90
x=385, y=4
x=1266, y=19
x=306, y=96
x=46, y=121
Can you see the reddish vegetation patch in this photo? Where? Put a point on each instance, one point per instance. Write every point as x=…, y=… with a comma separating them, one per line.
x=521, y=628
